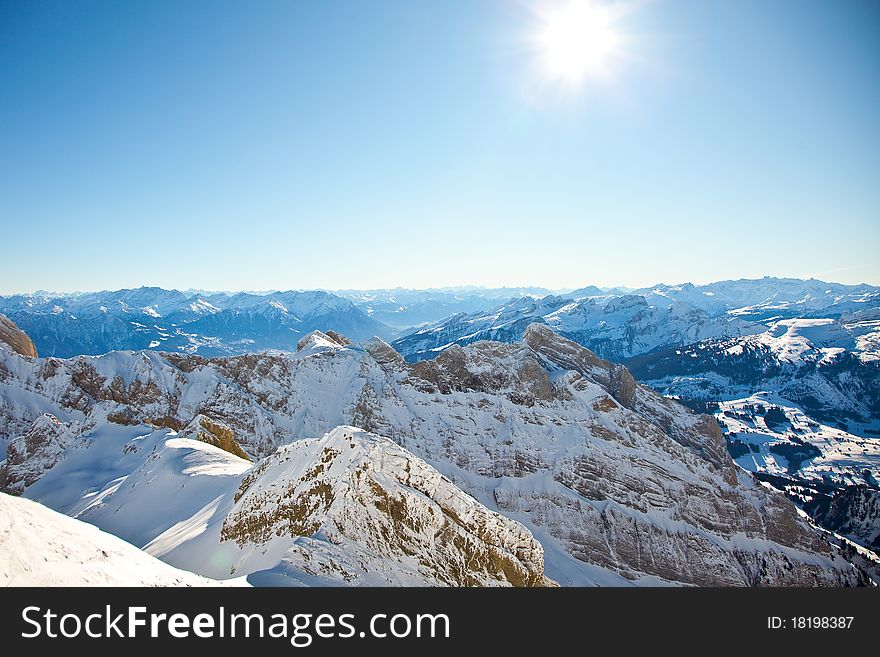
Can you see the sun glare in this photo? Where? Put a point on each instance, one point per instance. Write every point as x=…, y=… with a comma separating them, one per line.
x=576, y=39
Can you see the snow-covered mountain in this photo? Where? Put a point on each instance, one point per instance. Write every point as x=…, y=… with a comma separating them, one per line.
x=813, y=345
x=168, y=320
x=828, y=367
x=621, y=325
x=404, y=308
x=615, y=323
x=766, y=298
x=771, y=437
x=350, y=508
x=613, y=327
x=799, y=403
x=41, y=547
x=617, y=484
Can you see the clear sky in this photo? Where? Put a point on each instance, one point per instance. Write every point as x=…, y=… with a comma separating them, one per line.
x=356, y=144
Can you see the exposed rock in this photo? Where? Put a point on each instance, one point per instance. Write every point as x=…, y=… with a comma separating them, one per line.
x=475, y=370
x=18, y=340
x=383, y=506
x=532, y=429
x=564, y=353
x=338, y=338
x=622, y=385
x=206, y=430
x=384, y=354
x=30, y=456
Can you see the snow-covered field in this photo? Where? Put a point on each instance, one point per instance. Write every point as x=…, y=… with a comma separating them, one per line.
x=843, y=458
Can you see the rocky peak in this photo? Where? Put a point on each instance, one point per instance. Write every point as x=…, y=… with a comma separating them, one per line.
x=366, y=494
x=564, y=353
x=15, y=338
x=490, y=367
x=383, y=353
x=338, y=338
x=318, y=342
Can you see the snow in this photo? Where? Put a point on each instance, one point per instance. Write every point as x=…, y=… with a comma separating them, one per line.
x=178, y=499
x=577, y=469
x=843, y=456
x=202, y=307
x=183, y=531
x=40, y=547
x=316, y=343
x=791, y=339
x=623, y=326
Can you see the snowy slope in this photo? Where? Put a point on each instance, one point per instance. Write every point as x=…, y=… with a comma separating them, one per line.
x=619, y=484
x=350, y=508
x=41, y=547
x=789, y=443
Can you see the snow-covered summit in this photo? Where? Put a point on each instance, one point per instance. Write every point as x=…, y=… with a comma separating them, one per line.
x=363, y=510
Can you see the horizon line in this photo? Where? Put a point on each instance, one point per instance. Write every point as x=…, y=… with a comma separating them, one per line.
x=443, y=288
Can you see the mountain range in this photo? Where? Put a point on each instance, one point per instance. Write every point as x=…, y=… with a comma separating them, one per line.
x=540, y=461
x=527, y=463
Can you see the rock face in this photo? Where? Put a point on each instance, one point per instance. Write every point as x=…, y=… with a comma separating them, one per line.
x=619, y=484
x=41, y=447
x=15, y=338
x=214, y=433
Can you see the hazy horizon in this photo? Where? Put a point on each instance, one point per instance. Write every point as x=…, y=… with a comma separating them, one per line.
x=444, y=288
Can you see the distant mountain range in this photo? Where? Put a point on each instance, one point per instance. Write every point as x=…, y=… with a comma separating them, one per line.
x=168, y=320
x=615, y=323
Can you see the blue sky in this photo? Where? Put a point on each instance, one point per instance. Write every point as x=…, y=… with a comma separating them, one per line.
x=351, y=144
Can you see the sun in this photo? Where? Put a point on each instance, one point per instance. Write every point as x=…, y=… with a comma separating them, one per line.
x=576, y=39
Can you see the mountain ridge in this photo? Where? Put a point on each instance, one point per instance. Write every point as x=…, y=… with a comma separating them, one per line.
x=619, y=484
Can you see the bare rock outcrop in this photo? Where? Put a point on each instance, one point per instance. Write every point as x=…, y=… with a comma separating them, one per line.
x=19, y=341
